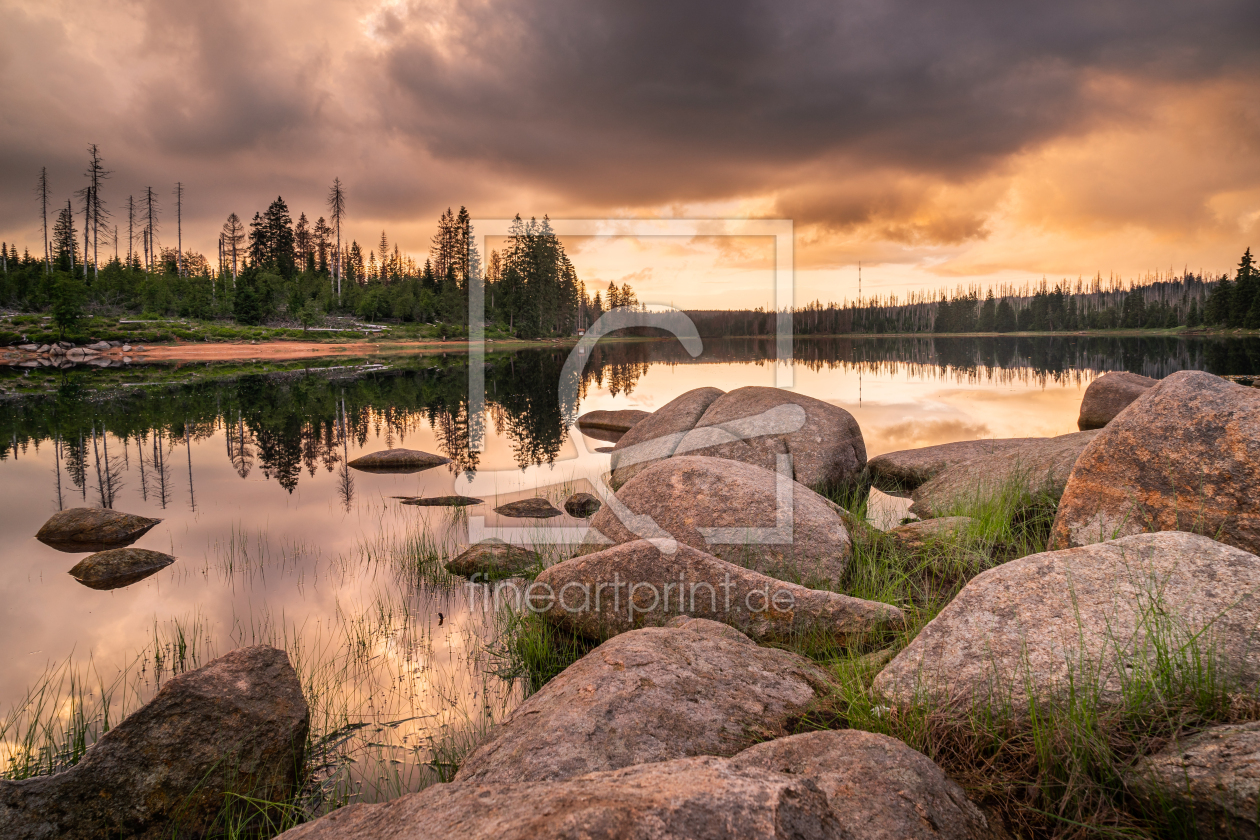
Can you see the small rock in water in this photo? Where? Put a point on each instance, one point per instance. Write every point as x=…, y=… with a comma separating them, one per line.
x=119, y=567
x=581, y=505
x=237, y=725
x=93, y=529
x=440, y=501
x=492, y=560
x=398, y=461
x=536, y=508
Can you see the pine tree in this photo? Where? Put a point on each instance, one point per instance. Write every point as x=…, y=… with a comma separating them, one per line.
x=65, y=241
x=303, y=244
x=1246, y=286
x=323, y=244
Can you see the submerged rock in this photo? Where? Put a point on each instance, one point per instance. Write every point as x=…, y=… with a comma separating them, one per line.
x=656, y=437
x=536, y=508
x=119, y=567
x=581, y=505
x=440, y=501
x=634, y=585
x=1212, y=778
x=755, y=425
x=738, y=512
x=1092, y=618
x=701, y=798
x=612, y=421
x=877, y=787
x=1110, y=394
x=398, y=461
x=93, y=529
x=694, y=688
x=902, y=471
x=236, y=725
x=1040, y=468
x=1185, y=456
x=493, y=560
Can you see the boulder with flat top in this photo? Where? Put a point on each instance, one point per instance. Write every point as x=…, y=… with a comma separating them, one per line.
x=1110, y=394
x=93, y=529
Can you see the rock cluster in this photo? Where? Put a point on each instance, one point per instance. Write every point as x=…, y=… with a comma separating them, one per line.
x=65, y=354
x=649, y=736
x=237, y=725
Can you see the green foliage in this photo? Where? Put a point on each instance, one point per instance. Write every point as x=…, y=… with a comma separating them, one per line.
x=68, y=296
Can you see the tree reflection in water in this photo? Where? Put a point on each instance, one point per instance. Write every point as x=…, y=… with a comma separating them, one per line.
x=285, y=423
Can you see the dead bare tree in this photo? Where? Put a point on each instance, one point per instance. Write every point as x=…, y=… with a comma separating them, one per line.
x=337, y=210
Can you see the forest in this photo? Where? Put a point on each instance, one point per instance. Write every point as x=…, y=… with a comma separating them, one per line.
x=276, y=270
x=1191, y=301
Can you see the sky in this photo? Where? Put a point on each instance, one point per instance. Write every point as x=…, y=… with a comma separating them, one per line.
x=940, y=143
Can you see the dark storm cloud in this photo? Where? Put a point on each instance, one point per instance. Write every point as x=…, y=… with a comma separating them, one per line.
x=651, y=102
x=857, y=114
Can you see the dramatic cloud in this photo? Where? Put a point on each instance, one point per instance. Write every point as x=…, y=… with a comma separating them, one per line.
x=959, y=137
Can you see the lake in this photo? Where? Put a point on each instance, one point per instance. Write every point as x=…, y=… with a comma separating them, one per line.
x=277, y=541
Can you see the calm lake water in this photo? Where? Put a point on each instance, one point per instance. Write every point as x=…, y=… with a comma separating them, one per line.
x=278, y=541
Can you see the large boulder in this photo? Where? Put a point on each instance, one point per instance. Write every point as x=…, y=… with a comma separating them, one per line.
x=699, y=798
x=93, y=529
x=1212, y=778
x=1110, y=394
x=1092, y=618
x=1040, y=468
x=634, y=584
x=756, y=425
x=902, y=471
x=237, y=725
x=119, y=567
x=397, y=461
x=657, y=436
x=1185, y=456
x=612, y=421
x=695, y=688
x=738, y=512
x=877, y=787
x=493, y=560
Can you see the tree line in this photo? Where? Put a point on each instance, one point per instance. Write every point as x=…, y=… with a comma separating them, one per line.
x=1190, y=301
x=278, y=269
